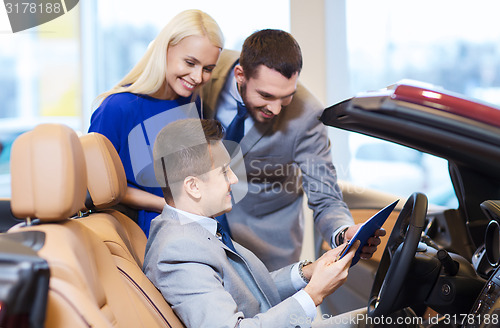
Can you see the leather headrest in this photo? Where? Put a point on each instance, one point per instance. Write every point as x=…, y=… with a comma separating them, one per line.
x=48, y=173
x=106, y=179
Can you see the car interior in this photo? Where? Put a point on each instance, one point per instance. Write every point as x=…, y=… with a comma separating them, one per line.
x=436, y=260
x=84, y=260
x=69, y=259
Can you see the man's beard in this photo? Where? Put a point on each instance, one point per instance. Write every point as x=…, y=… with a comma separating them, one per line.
x=252, y=111
x=242, y=88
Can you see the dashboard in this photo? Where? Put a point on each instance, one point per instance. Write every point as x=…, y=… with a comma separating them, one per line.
x=486, y=309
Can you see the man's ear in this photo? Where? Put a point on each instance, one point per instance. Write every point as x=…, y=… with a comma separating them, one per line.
x=191, y=186
x=239, y=74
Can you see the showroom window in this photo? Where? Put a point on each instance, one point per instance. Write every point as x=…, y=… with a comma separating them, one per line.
x=39, y=80
x=449, y=43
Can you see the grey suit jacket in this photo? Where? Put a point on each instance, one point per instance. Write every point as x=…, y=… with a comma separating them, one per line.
x=283, y=159
x=208, y=285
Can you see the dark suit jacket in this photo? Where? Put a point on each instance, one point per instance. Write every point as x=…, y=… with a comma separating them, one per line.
x=283, y=159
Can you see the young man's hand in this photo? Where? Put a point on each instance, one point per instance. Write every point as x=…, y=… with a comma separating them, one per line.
x=326, y=274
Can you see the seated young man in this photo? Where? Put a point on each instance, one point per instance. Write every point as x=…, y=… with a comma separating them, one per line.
x=208, y=280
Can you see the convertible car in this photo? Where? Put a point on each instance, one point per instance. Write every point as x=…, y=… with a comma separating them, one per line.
x=69, y=259
x=440, y=262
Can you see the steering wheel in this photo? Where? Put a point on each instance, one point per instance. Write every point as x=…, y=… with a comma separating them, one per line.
x=398, y=255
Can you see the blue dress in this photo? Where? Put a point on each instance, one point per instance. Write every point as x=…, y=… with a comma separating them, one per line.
x=131, y=122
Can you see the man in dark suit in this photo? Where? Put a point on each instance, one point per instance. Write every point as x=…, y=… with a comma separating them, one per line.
x=285, y=148
x=209, y=280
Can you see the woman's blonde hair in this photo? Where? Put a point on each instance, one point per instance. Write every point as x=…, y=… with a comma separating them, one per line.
x=149, y=74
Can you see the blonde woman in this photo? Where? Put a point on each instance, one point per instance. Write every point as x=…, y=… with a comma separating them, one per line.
x=162, y=87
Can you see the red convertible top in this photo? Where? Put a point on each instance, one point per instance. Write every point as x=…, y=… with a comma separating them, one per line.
x=447, y=101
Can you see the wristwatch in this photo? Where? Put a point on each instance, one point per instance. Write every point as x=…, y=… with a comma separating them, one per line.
x=341, y=237
x=301, y=273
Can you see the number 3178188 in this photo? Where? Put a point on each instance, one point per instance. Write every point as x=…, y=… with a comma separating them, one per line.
x=33, y=8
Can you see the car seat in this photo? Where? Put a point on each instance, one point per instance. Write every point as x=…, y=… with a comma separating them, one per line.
x=107, y=184
x=49, y=185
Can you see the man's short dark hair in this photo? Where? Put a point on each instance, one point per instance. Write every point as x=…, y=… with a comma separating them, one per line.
x=275, y=49
x=182, y=149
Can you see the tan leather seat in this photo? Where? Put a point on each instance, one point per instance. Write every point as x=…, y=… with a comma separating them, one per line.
x=125, y=239
x=107, y=184
x=87, y=289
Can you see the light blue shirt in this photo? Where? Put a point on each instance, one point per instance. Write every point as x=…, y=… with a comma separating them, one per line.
x=228, y=104
x=301, y=296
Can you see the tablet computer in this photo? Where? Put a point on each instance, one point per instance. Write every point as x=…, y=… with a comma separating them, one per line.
x=367, y=230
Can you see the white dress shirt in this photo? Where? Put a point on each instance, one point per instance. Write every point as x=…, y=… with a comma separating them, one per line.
x=301, y=296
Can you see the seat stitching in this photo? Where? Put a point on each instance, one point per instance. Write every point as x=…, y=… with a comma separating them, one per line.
x=144, y=294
